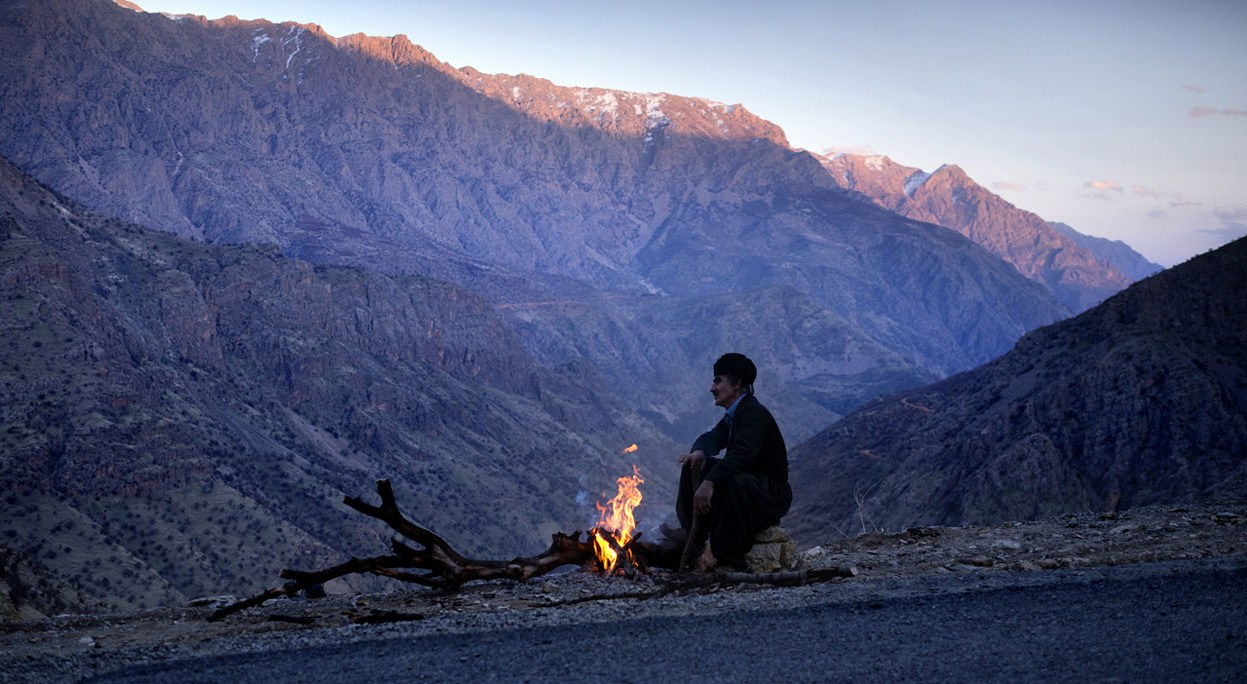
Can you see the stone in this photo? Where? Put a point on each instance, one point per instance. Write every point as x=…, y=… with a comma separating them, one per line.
x=773, y=551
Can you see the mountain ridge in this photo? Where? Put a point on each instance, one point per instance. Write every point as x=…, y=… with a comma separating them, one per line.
x=1064, y=261
x=159, y=442
x=1140, y=400
x=253, y=132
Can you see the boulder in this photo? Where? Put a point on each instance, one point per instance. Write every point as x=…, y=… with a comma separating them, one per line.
x=773, y=550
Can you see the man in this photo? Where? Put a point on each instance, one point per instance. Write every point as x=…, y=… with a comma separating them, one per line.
x=747, y=490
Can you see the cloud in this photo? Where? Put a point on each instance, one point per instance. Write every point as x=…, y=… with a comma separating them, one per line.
x=860, y=150
x=1233, y=223
x=1236, y=216
x=1104, y=185
x=1007, y=185
x=1157, y=214
x=1197, y=89
x=1101, y=188
x=1200, y=112
x=1173, y=199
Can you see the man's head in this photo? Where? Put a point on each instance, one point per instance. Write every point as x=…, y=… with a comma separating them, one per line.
x=733, y=376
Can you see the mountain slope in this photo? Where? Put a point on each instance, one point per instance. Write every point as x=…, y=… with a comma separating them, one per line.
x=1114, y=252
x=1141, y=400
x=370, y=152
x=1077, y=274
x=179, y=419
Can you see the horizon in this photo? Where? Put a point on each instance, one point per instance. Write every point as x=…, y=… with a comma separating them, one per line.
x=1124, y=122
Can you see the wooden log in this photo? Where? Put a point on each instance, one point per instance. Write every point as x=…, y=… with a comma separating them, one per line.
x=431, y=562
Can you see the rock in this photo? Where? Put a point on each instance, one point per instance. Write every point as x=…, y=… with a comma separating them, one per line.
x=1228, y=519
x=211, y=601
x=1026, y=566
x=773, y=550
x=1049, y=563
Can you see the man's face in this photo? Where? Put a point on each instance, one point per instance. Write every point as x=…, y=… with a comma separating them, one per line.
x=725, y=389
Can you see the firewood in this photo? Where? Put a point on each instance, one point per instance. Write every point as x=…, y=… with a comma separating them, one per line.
x=433, y=563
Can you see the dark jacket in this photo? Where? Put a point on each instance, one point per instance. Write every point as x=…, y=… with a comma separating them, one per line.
x=753, y=443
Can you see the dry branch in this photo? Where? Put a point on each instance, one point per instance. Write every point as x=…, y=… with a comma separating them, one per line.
x=432, y=563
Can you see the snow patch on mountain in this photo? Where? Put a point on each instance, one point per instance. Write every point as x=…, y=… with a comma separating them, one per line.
x=915, y=181
x=258, y=40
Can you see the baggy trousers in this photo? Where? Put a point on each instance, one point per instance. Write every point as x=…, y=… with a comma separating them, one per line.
x=743, y=506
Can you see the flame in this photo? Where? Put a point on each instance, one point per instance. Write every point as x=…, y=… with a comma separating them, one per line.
x=616, y=520
x=629, y=450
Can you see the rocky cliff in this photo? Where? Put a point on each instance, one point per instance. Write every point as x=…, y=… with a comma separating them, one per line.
x=1074, y=267
x=179, y=419
x=1134, y=265
x=584, y=214
x=1141, y=400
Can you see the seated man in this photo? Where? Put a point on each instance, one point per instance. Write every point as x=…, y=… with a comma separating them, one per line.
x=747, y=490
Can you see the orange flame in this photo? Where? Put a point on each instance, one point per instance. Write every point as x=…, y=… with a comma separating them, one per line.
x=616, y=520
x=629, y=450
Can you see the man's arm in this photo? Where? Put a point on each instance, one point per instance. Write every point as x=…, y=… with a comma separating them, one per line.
x=713, y=440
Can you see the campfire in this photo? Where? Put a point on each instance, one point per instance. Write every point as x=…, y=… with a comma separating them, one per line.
x=613, y=536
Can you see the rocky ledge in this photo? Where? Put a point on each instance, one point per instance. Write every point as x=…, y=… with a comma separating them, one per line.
x=915, y=562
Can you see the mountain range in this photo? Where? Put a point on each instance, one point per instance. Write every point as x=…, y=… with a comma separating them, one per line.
x=1080, y=270
x=1141, y=400
x=250, y=267
x=181, y=419
x=582, y=213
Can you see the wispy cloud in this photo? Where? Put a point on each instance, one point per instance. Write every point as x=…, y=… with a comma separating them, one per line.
x=1157, y=214
x=1197, y=89
x=1104, y=186
x=1005, y=186
x=861, y=150
x=1200, y=112
x=1233, y=223
x=1100, y=189
x=1173, y=199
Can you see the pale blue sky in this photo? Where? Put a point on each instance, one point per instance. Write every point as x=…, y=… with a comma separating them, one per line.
x=1124, y=119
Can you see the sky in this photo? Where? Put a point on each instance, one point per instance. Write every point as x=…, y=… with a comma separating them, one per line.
x=1126, y=119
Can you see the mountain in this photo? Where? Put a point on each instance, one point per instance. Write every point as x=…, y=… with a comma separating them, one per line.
x=1071, y=269
x=581, y=214
x=1141, y=400
x=1114, y=252
x=180, y=419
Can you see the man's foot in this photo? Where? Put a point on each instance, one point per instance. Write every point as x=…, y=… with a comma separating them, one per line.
x=706, y=562
x=665, y=553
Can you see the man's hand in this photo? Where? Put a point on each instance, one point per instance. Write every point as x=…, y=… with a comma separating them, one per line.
x=693, y=461
x=702, y=498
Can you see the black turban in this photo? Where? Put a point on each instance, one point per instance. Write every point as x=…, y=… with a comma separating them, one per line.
x=738, y=366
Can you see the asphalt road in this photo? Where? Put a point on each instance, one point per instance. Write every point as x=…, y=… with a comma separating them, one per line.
x=1186, y=626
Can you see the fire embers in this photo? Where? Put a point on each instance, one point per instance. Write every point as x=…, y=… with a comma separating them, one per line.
x=613, y=536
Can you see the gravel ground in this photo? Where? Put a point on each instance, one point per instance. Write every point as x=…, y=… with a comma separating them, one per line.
x=1150, y=594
